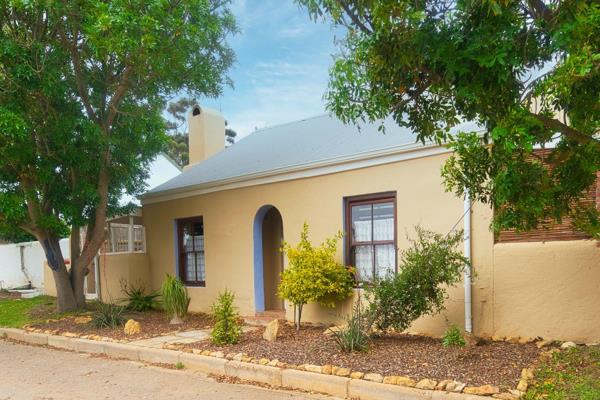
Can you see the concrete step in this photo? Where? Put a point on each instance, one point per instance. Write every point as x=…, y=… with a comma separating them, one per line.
x=263, y=318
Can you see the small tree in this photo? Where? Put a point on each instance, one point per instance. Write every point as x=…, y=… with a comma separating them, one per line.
x=227, y=328
x=427, y=269
x=314, y=275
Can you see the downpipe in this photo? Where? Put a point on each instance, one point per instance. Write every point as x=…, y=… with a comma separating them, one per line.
x=467, y=270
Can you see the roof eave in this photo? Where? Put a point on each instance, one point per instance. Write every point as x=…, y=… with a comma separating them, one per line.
x=229, y=183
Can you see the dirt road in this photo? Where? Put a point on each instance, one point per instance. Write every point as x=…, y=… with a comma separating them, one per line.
x=38, y=373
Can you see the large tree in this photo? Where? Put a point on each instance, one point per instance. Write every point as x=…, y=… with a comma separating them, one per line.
x=82, y=88
x=527, y=71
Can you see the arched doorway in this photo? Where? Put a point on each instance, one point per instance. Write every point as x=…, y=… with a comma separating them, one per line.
x=268, y=259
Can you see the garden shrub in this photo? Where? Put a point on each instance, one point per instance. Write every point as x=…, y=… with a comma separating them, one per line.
x=313, y=274
x=108, y=315
x=227, y=328
x=453, y=337
x=175, y=299
x=355, y=335
x=428, y=267
x=137, y=298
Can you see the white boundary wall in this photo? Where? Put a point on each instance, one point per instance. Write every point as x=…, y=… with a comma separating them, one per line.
x=12, y=276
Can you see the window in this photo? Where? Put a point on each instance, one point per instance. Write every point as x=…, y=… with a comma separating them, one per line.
x=371, y=235
x=190, y=233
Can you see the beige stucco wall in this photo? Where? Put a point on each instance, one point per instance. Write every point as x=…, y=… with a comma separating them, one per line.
x=229, y=217
x=549, y=289
x=132, y=268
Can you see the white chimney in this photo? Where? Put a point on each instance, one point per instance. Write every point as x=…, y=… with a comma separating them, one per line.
x=206, y=133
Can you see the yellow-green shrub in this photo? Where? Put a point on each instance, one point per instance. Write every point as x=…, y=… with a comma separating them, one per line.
x=313, y=274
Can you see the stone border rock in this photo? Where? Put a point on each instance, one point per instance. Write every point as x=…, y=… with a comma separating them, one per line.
x=327, y=379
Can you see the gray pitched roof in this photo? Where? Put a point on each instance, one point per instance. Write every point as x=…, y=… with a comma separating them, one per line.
x=311, y=141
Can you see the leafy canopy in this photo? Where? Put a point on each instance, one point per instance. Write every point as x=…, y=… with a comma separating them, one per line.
x=82, y=89
x=528, y=72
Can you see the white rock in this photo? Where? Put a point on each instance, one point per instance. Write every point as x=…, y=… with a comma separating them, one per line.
x=567, y=345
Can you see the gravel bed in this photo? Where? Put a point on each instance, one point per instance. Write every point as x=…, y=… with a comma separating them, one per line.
x=153, y=323
x=495, y=363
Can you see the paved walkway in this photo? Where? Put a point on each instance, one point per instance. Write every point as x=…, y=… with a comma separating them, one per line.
x=185, y=337
x=36, y=373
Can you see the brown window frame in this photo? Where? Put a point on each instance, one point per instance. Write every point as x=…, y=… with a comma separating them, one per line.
x=374, y=198
x=182, y=253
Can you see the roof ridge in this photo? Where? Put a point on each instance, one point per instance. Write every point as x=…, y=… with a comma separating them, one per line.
x=266, y=128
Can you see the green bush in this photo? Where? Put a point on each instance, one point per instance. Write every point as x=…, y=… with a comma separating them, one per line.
x=453, y=337
x=227, y=329
x=314, y=275
x=137, y=299
x=427, y=269
x=108, y=315
x=355, y=335
x=175, y=299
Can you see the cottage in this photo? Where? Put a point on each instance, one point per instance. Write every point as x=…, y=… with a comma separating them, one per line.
x=220, y=224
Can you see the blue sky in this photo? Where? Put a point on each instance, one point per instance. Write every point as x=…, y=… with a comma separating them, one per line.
x=281, y=72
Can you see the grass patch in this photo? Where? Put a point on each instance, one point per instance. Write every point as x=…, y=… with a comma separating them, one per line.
x=14, y=313
x=571, y=374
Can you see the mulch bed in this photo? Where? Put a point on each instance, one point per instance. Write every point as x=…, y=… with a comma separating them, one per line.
x=495, y=363
x=153, y=323
x=6, y=295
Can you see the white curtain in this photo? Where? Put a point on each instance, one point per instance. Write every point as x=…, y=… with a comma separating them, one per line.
x=364, y=262
x=385, y=260
x=195, y=258
x=362, y=231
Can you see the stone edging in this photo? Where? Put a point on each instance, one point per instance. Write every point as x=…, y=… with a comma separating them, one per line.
x=310, y=378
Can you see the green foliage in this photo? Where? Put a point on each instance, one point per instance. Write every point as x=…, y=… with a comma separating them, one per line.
x=179, y=365
x=227, y=328
x=175, y=297
x=571, y=374
x=83, y=86
x=108, y=315
x=313, y=274
x=427, y=269
x=138, y=299
x=355, y=335
x=507, y=65
x=453, y=337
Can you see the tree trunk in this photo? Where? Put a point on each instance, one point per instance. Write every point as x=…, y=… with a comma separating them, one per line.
x=299, y=317
x=65, y=297
x=78, y=274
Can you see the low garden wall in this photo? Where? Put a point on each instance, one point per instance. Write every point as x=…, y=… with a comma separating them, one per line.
x=312, y=378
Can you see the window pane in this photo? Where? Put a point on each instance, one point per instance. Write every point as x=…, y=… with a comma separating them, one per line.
x=200, y=266
x=383, y=221
x=385, y=260
x=361, y=223
x=190, y=273
x=363, y=258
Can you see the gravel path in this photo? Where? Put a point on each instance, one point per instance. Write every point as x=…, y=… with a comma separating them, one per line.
x=38, y=373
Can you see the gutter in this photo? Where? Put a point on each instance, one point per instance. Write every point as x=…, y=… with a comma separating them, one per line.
x=467, y=254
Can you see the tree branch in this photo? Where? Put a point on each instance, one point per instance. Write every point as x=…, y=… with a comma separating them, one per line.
x=565, y=129
x=355, y=19
x=538, y=9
